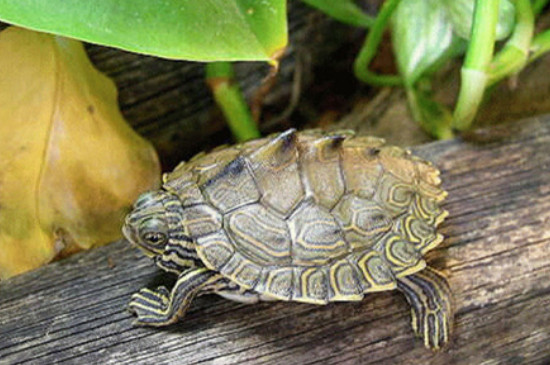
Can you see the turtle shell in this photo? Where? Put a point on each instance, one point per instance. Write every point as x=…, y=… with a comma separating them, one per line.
x=311, y=217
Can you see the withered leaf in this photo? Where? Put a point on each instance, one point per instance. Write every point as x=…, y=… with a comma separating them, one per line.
x=70, y=166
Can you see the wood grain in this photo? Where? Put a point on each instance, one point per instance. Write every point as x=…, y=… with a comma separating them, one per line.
x=497, y=253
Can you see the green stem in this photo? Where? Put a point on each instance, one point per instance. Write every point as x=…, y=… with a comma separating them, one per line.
x=478, y=58
x=228, y=96
x=513, y=56
x=538, y=5
x=432, y=116
x=368, y=51
x=540, y=45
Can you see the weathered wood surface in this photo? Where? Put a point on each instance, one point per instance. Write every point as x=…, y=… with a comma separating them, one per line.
x=498, y=245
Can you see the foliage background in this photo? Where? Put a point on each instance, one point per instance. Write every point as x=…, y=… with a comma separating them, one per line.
x=169, y=102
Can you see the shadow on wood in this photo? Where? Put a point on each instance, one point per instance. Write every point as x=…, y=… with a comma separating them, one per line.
x=498, y=257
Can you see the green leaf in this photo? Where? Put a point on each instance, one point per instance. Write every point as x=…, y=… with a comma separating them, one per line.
x=461, y=13
x=197, y=30
x=422, y=37
x=345, y=11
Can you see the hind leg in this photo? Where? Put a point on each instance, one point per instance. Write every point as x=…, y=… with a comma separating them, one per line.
x=430, y=297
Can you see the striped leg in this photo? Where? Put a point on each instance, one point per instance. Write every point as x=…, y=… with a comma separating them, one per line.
x=161, y=307
x=177, y=257
x=430, y=297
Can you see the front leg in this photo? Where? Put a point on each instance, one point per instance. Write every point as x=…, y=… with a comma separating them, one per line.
x=178, y=256
x=430, y=297
x=161, y=307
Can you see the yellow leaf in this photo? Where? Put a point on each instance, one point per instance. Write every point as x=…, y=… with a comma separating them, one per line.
x=70, y=166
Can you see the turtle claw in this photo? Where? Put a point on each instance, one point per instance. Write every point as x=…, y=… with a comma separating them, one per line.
x=432, y=326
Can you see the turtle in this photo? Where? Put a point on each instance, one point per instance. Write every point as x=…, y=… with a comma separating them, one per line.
x=311, y=216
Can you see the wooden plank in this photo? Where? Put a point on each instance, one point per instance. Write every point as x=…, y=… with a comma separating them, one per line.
x=498, y=256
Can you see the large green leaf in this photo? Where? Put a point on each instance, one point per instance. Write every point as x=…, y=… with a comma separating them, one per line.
x=198, y=30
x=461, y=13
x=422, y=37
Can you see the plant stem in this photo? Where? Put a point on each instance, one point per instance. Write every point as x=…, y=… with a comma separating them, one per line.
x=228, y=96
x=538, y=5
x=513, y=56
x=369, y=48
x=478, y=57
x=540, y=45
x=432, y=116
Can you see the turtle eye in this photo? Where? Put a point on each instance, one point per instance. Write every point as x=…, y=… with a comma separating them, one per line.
x=154, y=232
x=154, y=238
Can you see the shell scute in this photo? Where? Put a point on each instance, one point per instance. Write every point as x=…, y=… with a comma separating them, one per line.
x=313, y=283
x=242, y=270
x=260, y=234
x=375, y=273
x=429, y=210
x=400, y=255
x=277, y=283
x=362, y=220
x=232, y=187
x=275, y=168
x=320, y=165
x=316, y=236
x=394, y=195
x=211, y=164
x=182, y=183
x=186, y=190
x=364, y=153
x=215, y=250
x=396, y=161
x=344, y=282
x=200, y=220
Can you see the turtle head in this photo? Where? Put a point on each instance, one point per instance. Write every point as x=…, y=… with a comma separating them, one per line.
x=147, y=225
